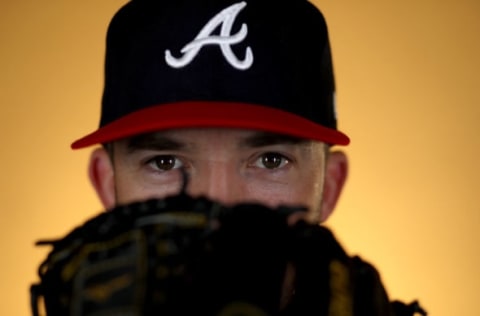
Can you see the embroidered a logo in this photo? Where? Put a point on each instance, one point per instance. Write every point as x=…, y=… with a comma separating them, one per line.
x=225, y=40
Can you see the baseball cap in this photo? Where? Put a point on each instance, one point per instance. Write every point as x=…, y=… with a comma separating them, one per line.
x=254, y=64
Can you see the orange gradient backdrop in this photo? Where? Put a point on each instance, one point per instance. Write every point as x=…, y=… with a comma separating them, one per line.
x=409, y=96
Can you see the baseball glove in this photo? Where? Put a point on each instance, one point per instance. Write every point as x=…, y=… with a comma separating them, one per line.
x=191, y=256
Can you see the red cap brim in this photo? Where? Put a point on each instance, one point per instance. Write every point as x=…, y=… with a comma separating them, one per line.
x=194, y=114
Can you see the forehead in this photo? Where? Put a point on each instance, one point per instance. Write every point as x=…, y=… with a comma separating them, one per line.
x=193, y=137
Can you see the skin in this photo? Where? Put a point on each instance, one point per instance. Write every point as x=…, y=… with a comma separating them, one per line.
x=227, y=165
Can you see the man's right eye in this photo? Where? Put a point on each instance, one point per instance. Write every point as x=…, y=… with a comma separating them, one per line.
x=165, y=163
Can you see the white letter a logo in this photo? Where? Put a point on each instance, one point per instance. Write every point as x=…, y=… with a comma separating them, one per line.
x=226, y=18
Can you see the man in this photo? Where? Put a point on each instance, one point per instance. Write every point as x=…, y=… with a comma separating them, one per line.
x=240, y=95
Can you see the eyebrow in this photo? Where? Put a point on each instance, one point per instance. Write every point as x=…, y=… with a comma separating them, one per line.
x=262, y=139
x=158, y=141
x=153, y=141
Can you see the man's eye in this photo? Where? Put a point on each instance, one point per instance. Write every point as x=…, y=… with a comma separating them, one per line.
x=271, y=161
x=165, y=163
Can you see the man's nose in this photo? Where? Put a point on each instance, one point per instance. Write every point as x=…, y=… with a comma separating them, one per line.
x=219, y=181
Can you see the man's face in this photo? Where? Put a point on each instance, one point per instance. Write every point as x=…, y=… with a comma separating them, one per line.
x=227, y=165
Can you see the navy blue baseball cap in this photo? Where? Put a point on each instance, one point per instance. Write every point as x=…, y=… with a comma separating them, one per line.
x=254, y=64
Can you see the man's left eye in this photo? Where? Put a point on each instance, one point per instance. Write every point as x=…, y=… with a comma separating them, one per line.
x=271, y=161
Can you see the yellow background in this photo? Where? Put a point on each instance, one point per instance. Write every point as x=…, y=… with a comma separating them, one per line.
x=408, y=90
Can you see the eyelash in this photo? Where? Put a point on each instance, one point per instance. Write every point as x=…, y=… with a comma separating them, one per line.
x=279, y=161
x=154, y=162
x=259, y=162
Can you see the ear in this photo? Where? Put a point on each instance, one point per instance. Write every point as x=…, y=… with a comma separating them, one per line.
x=101, y=173
x=336, y=172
